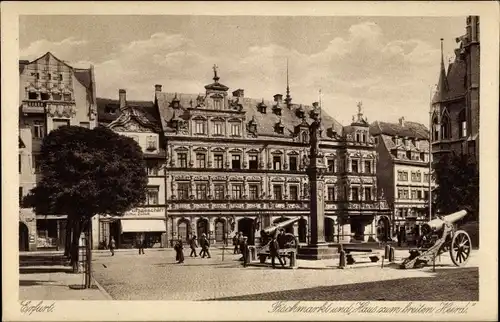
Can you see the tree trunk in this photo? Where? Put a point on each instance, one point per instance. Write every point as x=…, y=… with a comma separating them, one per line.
x=77, y=230
x=67, y=244
x=88, y=237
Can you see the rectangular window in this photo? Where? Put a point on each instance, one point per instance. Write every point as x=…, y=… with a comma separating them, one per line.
x=253, y=192
x=278, y=192
x=200, y=127
x=277, y=163
x=426, y=195
x=400, y=193
x=253, y=162
x=38, y=130
x=218, y=128
x=236, y=161
x=219, y=191
x=152, y=195
x=201, y=160
x=183, y=191
x=414, y=194
x=152, y=169
x=36, y=163
x=235, y=129
x=182, y=160
x=419, y=194
x=355, y=194
x=59, y=123
x=354, y=166
x=368, y=194
x=20, y=196
x=418, y=177
x=413, y=177
x=236, y=191
x=331, y=165
x=201, y=191
x=294, y=193
x=67, y=97
x=422, y=156
x=56, y=97
x=217, y=104
x=151, y=143
x=405, y=194
x=293, y=163
x=218, y=161
x=426, y=177
x=331, y=193
x=368, y=167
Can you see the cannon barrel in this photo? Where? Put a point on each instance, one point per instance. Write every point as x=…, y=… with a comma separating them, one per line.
x=271, y=229
x=438, y=223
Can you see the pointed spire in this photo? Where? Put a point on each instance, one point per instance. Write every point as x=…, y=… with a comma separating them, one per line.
x=288, y=98
x=442, y=87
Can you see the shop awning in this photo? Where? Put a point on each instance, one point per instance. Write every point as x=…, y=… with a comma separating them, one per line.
x=136, y=226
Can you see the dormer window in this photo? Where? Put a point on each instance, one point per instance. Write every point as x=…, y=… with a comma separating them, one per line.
x=279, y=127
x=151, y=143
x=277, y=109
x=175, y=102
x=252, y=126
x=300, y=112
x=262, y=107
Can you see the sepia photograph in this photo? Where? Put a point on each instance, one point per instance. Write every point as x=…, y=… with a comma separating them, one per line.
x=240, y=158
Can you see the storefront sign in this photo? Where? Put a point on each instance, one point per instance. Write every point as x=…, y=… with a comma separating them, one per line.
x=146, y=211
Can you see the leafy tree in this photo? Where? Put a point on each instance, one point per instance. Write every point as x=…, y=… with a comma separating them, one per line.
x=87, y=172
x=457, y=179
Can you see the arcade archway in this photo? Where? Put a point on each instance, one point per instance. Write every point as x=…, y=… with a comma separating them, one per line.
x=202, y=227
x=23, y=237
x=246, y=226
x=383, y=229
x=329, y=229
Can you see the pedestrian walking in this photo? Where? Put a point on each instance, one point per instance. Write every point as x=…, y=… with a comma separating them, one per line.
x=235, y=244
x=205, y=245
x=142, y=241
x=179, y=253
x=274, y=251
x=240, y=243
x=245, y=252
x=193, y=246
x=112, y=246
x=282, y=242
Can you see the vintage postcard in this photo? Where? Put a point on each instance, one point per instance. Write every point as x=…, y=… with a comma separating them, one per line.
x=250, y=160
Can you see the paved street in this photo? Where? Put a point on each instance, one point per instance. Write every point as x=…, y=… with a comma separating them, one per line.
x=156, y=276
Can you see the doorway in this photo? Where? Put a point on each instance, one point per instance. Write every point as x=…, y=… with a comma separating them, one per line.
x=23, y=237
x=383, y=229
x=302, y=230
x=245, y=225
x=329, y=229
x=202, y=228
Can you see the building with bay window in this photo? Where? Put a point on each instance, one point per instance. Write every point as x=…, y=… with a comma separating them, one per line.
x=140, y=121
x=51, y=94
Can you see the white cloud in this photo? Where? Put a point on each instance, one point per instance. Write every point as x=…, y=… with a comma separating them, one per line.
x=64, y=49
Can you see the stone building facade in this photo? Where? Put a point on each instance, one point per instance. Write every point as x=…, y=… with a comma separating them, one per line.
x=235, y=163
x=140, y=121
x=51, y=94
x=455, y=105
x=403, y=173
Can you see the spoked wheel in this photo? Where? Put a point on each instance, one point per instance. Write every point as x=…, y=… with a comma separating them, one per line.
x=460, y=248
x=291, y=241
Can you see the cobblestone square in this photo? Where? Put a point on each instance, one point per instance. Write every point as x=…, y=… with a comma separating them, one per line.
x=156, y=276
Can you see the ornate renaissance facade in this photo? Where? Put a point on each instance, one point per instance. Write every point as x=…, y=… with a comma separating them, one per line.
x=51, y=94
x=403, y=171
x=239, y=164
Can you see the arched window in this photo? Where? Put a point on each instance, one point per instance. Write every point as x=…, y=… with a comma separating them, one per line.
x=462, y=124
x=305, y=137
x=435, y=130
x=445, y=127
x=183, y=230
x=219, y=231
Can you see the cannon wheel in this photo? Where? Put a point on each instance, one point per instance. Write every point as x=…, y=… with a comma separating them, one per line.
x=292, y=241
x=460, y=248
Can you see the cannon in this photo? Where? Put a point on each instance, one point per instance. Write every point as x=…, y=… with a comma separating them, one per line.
x=290, y=242
x=439, y=236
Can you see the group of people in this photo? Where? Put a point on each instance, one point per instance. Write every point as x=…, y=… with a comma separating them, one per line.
x=277, y=242
x=204, y=243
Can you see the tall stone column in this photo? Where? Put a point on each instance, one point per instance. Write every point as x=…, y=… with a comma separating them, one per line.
x=211, y=230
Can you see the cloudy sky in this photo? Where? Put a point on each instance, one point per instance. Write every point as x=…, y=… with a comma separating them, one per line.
x=387, y=63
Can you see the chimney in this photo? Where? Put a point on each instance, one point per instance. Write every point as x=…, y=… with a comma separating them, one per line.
x=278, y=98
x=402, y=121
x=157, y=88
x=122, y=94
x=239, y=93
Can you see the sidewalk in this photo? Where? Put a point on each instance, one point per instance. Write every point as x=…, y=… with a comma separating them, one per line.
x=54, y=282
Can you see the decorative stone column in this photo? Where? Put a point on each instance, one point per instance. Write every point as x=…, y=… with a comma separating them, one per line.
x=211, y=230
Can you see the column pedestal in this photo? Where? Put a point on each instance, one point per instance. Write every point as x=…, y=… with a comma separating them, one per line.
x=318, y=251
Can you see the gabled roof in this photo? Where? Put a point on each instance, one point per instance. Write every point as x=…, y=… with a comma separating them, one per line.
x=265, y=122
x=390, y=145
x=147, y=107
x=410, y=129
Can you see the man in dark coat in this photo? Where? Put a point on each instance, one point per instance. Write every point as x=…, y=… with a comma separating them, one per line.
x=193, y=245
x=245, y=251
x=112, y=246
x=205, y=244
x=141, y=243
x=235, y=244
x=274, y=251
x=282, y=242
x=179, y=254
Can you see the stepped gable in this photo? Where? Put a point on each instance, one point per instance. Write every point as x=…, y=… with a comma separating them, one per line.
x=146, y=107
x=266, y=122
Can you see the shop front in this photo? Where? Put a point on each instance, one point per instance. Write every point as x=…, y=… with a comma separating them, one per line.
x=143, y=223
